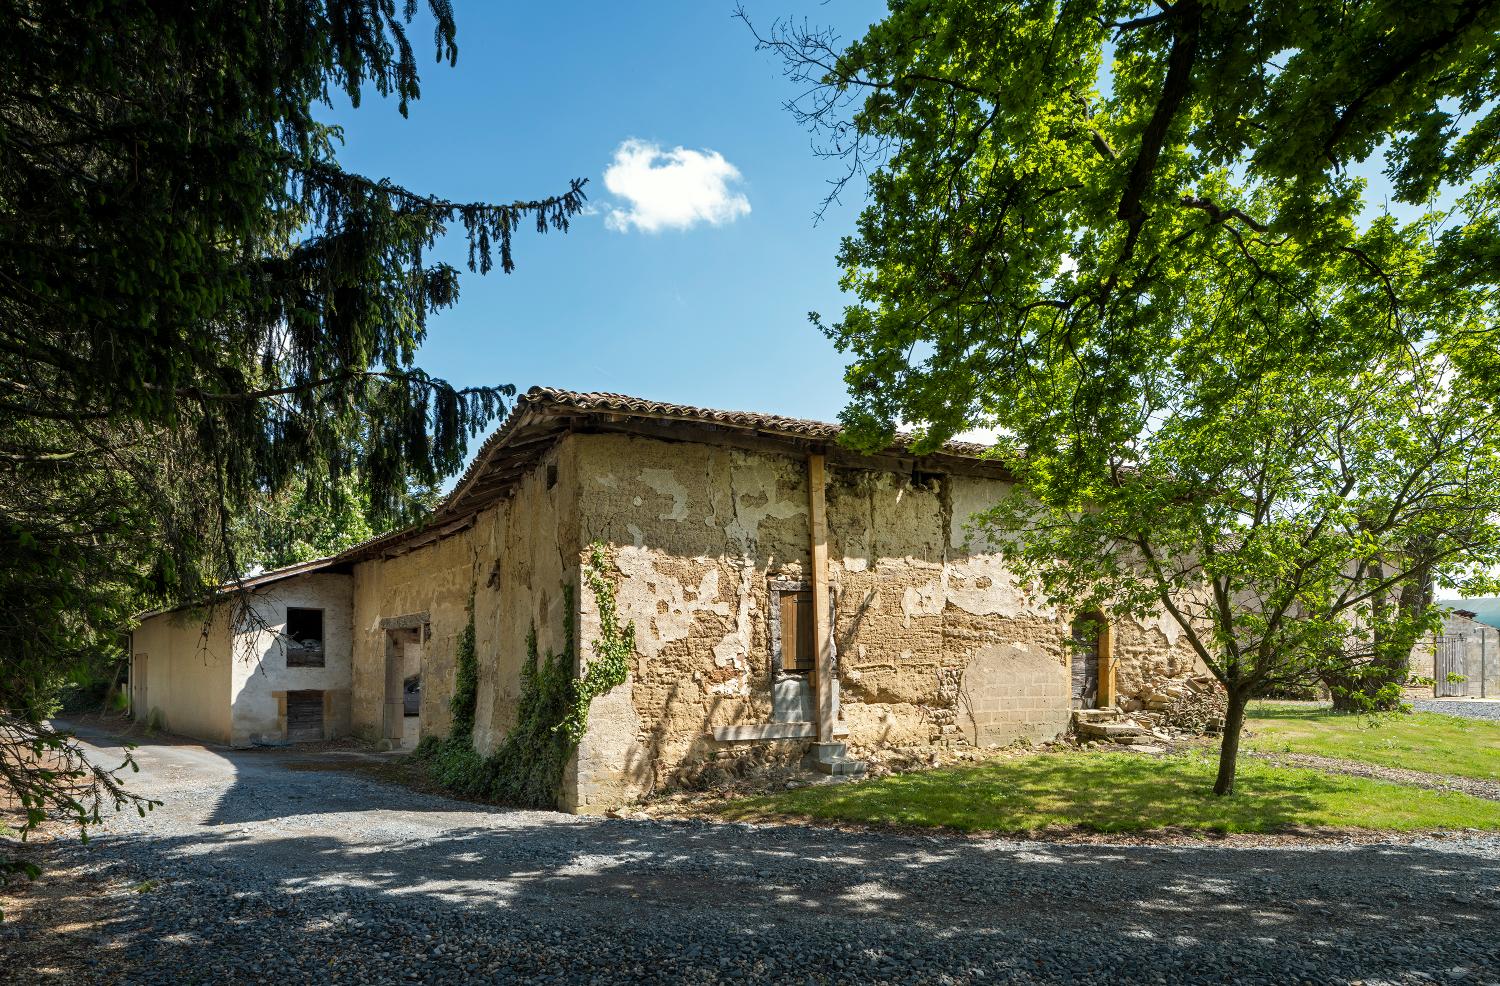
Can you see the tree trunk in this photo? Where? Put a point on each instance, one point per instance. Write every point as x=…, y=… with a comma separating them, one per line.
x=109, y=692
x=1377, y=687
x=1229, y=743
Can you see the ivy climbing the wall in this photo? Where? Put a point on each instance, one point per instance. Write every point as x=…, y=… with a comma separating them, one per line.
x=465, y=681
x=552, y=713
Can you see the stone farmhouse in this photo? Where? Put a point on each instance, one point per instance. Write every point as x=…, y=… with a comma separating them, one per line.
x=786, y=591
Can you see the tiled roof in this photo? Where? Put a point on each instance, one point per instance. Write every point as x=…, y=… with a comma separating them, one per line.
x=542, y=413
x=550, y=400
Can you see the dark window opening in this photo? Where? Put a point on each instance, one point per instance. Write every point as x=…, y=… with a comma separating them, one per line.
x=923, y=480
x=797, y=648
x=304, y=638
x=551, y=475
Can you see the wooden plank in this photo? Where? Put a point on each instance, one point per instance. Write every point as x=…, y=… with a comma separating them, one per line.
x=797, y=650
x=428, y=537
x=304, y=716
x=818, y=532
x=806, y=636
x=766, y=731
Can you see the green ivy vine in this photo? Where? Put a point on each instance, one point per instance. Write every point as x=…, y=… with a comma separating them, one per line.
x=612, y=649
x=465, y=681
x=527, y=767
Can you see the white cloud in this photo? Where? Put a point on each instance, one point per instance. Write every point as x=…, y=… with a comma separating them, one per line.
x=674, y=189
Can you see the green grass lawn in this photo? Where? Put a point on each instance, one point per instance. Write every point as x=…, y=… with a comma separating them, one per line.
x=1424, y=741
x=1123, y=792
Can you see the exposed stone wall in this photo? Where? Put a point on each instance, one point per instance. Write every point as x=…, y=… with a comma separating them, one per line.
x=1145, y=655
x=935, y=639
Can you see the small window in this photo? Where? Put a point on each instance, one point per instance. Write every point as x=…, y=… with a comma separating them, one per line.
x=797, y=651
x=304, y=638
x=551, y=475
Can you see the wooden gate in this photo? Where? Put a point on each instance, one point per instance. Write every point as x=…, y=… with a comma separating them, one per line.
x=304, y=716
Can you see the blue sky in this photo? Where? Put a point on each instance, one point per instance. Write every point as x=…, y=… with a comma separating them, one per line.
x=714, y=314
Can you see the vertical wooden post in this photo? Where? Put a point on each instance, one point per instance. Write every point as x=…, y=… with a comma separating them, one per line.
x=818, y=531
x=1106, y=657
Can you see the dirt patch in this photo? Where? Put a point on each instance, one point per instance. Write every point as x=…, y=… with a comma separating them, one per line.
x=402, y=770
x=57, y=927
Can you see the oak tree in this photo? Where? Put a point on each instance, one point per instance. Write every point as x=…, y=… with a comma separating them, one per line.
x=1134, y=238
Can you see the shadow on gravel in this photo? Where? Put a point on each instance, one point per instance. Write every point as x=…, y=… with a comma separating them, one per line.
x=320, y=886
x=1184, y=913
x=766, y=873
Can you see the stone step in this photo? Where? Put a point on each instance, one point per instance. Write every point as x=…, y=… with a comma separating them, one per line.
x=1116, y=731
x=830, y=751
x=834, y=759
x=1097, y=715
x=842, y=767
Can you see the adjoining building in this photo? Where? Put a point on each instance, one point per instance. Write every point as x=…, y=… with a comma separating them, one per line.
x=1462, y=659
x=785, y=590
x=271, y=665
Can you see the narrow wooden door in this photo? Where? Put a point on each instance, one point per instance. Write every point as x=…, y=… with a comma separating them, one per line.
x=1085, y=664
x=304, y=716
x=140, y=708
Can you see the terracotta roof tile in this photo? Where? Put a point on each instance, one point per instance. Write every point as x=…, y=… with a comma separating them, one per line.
x=540, y=403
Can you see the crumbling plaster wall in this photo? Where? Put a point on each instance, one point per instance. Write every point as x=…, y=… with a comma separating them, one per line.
x=433, y=579
x=694, y=530
x=259, y=676
x=514, y=558
x=526, y=554
x=935, y=639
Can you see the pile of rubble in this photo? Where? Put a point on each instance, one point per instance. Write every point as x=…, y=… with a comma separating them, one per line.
x=1191, y=706
x=1177, y=710
x=759, y=765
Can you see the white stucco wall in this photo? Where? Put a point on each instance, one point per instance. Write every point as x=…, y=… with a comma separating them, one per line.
x=260, y=677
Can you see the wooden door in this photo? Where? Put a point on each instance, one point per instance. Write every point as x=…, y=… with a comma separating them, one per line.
x=140, y=708
x=304, y=716
x=1086, y=635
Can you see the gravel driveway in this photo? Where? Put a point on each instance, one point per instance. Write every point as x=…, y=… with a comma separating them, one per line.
x=1468, y=708
x=261, y=873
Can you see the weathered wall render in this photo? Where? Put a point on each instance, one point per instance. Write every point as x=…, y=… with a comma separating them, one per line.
x=935, y=641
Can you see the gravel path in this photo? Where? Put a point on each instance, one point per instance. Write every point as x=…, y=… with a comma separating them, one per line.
x=1477, y=787
x=253, y=872
x=1468, y=708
